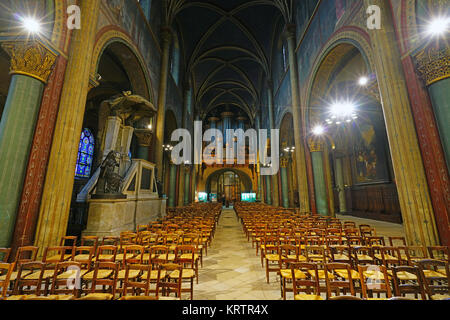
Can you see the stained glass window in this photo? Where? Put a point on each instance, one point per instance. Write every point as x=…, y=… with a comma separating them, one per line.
x=85, y=154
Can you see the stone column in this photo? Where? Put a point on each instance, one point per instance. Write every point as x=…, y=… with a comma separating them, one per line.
x=316, y=148
x=274, y=178
x=172, y=184
x=340, y=185
x=297, y=118
x=57, y=194
x=31, y=65
x=414, y=197
x=161, y=115
x=284, y=164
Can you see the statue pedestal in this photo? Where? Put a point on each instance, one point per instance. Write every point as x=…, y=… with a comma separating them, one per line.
x=110, y=217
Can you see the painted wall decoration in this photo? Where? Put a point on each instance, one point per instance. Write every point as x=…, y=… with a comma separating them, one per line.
x=370, y=162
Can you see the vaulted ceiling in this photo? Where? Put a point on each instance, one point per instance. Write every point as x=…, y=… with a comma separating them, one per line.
x=227, y=48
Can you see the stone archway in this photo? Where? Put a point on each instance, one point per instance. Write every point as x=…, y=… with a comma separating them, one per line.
x=414, y=197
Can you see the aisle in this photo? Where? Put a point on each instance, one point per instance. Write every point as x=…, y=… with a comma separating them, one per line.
x=232, y=271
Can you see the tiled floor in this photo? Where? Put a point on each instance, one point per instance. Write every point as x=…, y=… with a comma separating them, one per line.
x=232, y=271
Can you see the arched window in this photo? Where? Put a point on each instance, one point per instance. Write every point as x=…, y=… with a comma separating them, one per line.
x=85, y=154
x=285, y=62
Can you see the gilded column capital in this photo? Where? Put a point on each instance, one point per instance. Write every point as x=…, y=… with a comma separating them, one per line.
x=315, y=145
x=30, y=58
x=284, y=162
x=433, y=64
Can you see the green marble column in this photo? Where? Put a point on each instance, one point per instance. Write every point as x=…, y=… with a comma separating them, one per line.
x=17, y=126
x=284, y=182
x=187, y=183
x=172, y=185
x=319, y=178
x=268, y=190
x=440, y=98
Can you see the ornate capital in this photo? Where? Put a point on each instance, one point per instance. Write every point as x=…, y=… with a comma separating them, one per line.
x=166, y=34
x=433, y=64
x=315, y=145
x=291, y=29
x=30, y=58
x=284, y=162
x=144, y=137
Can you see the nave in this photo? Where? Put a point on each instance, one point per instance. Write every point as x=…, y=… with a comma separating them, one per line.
x=251, y=252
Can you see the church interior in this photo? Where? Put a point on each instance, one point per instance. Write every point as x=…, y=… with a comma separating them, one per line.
x=116, y=117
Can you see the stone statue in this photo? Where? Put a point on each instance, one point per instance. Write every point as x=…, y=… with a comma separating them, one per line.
x=109, y=183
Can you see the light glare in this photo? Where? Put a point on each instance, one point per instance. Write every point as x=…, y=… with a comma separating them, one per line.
x=438, y=26
x=31, y=25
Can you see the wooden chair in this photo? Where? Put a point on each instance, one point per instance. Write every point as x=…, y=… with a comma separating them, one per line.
x=414, y=254
x=397, y=241
x=6, y=270
x=4, y=254
x=271, y=256
x=26, y=268
x=68, y=241
x=362, y=255
x=89, y=241
x=52, y=256
x=374, y=279
x=67, y=280
x=407, y=280
x=439, y=253
x=106, y=254
x=436, y=283
x=105, y=275
x=305, y=281
x=110, y=241
x=289, y=254
x=365, y=230
x=387, y=256
x=172, y=283
x=337, y=283
x=137, y=287
x=84, y=256
x=186, y=257
x=344, y=298
x=133, y=255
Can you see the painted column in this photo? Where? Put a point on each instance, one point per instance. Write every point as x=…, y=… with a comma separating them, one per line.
x=300, y=155
x=433, y=69
x=414, y=196
x=57, y=194
x=329, y=184
x=434, y=66
x=320, y=188
x=268, y=190
x=181, y=186
x=274, y=195
x=166, y=36
x=28, y=212
x=31, y=65
x=340, y=185
x=284, y=164
x=172, y=185
x=187, y=183
x=259, y=195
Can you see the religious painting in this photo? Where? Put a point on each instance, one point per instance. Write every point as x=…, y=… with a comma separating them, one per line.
x=369, y=154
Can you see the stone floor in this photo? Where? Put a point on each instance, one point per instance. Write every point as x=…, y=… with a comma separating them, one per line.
x=232, y=271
